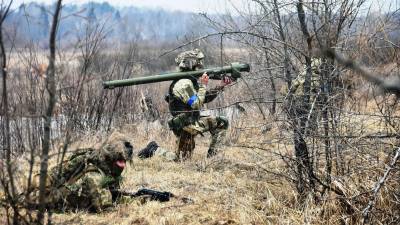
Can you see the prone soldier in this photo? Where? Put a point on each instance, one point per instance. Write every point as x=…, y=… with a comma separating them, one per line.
x=88, y=179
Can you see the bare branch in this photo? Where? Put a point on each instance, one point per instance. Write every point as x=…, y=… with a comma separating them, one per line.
x=391, y=85
x=378, y=186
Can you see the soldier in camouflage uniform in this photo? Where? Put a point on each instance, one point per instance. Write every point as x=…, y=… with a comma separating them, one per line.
x=88, y=179
x=186, y=98
x=296, y=106
x=297, y=87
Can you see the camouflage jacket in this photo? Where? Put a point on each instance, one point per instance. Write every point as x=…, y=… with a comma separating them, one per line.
x=185, y=98
x=297, y=87
x=188, y=96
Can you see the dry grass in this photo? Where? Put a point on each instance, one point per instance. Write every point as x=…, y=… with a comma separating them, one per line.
x=230, y=189
x=239, y=187
x=223, y=193
x=225, y=190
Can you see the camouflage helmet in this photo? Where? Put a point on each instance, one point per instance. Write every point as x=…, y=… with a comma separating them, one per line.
x=117, y=146
x=116, y=150
x=190, y=60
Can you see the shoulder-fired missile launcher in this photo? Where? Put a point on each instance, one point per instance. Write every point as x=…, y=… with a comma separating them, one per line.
x=214, y=73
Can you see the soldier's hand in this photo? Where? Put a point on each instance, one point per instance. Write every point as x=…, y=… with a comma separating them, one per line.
x=226, y=81
x=204, y=79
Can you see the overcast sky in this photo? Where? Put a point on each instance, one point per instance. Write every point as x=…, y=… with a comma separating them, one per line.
x=192, y=5
x=182, y=5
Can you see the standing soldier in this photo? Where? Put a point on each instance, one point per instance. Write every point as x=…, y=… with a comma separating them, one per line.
x=297, y=87
x=295, y=107
x=186, y=98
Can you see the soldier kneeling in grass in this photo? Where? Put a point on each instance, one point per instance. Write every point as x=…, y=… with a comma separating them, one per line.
x=185, y=98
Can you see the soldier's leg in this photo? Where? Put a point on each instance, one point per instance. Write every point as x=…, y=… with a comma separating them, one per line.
x=153, y=149
x=53, y=195
x=186, y=145
x=166, y=154
x=217, y=126
x=185, y=131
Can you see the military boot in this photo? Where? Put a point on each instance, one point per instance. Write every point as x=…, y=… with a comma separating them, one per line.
x=148, y=152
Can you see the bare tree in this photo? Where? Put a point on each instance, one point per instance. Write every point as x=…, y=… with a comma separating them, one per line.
x=9, y=185
x=51, y=89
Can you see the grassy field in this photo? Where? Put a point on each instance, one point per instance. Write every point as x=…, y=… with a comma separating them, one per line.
x=244, y=185
x=228, y=189
x=239, y=186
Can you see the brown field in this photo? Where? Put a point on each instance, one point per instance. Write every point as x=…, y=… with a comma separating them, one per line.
x=230, y=189
x=242, y=186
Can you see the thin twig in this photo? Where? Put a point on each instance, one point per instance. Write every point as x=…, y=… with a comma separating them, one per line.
x=378, y=186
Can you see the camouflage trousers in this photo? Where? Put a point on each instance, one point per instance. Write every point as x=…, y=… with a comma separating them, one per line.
x=217, y=127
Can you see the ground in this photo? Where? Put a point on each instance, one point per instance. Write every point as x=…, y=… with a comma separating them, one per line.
x=228, y=189
x=244, y=185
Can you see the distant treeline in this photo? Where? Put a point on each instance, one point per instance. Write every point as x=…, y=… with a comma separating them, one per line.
x=30, y=23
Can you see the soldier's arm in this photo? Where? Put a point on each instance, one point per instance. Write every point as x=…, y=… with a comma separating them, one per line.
x=296, y=83
x=197, y=100
x=200, y=98
x=295, y=86
x=184, y=89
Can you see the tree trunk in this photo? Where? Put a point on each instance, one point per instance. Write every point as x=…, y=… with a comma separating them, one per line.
x=51, y=89
x=10, y=192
